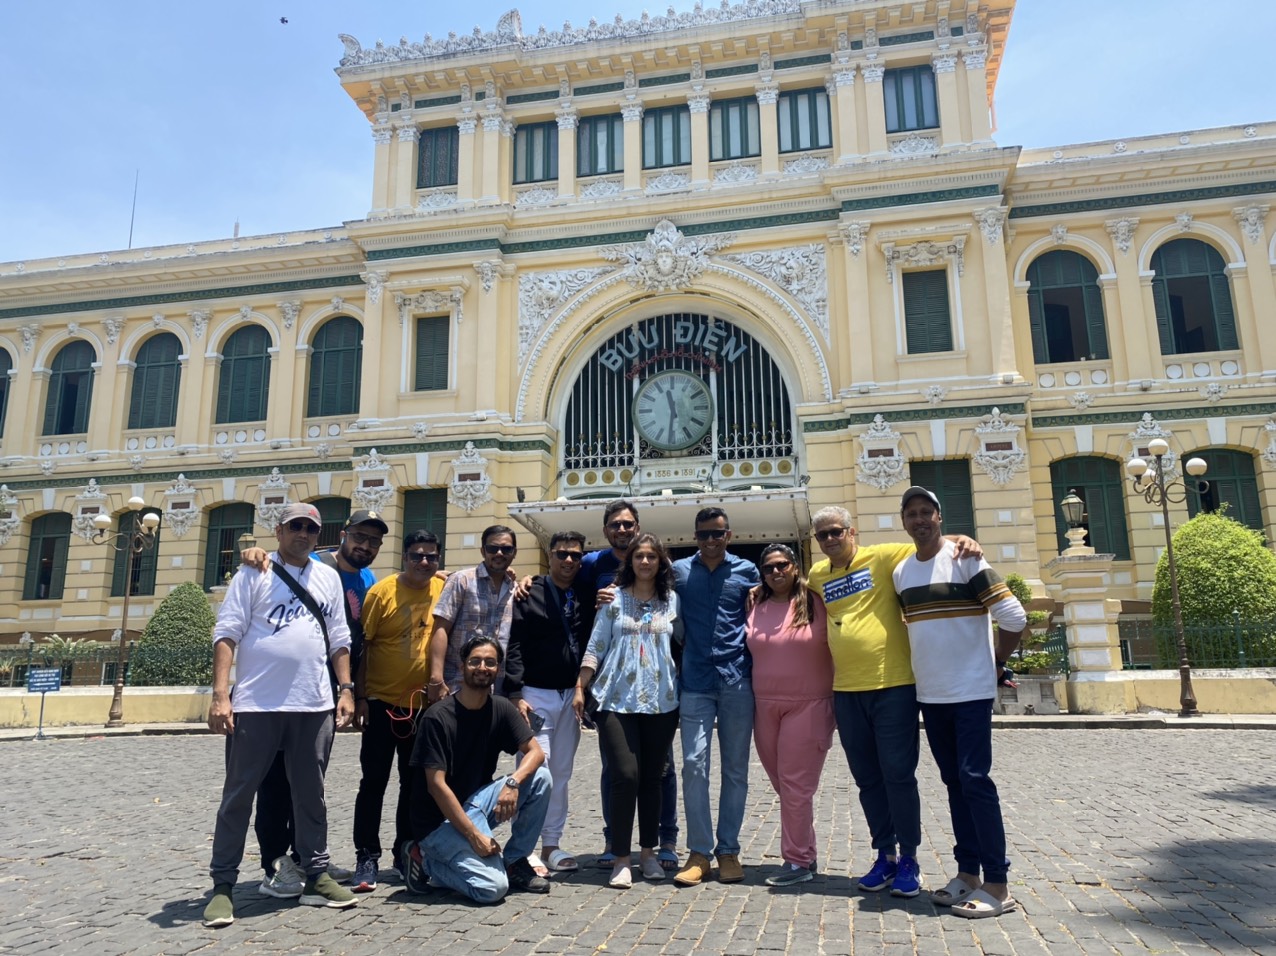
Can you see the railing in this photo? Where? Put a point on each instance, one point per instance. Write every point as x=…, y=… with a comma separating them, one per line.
x=95, y=666
x=1236, y=643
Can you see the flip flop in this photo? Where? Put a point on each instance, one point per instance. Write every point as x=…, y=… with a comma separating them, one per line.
x=668, y=858
x=981, y=905
x=560, y=861
x=606, y=858
x=538, y=864
x=955, y=892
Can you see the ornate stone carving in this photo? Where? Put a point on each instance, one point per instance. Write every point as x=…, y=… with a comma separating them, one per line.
x=290, y=310
x=844, y=77
x=854, y=234
x=90, y=503
x=467, y=125
x=199, y=321
x=274, y=499
x=470, y=486
x=439, y=199
x=735, y=172
x=1122, y=231
x=136, y=461
x=944, y=62
x=420, y=429
x=381, y=135
x=631, y=112
x=799, y=271
x=509, y=33
x=805, y=164
x=536, y=196
x=375, y=281
x=991, y=222
x=668, y=181
x=873, y=72
x=540, y=293
x=975, y=58
x=157, y=320
x=667, y=261
x=30, y=334
x=1080, y=400
x=935, y=394
x=179, y=507
x=429, y=301
x=913, y=144
x=374, y=489
x=1269, y=453
x=1184, y=220
x=996, y=461
x=1213, y=391
x=113, y=325
x=699, y=102
x=1147, y=429
x=1119, y=146
x=323, y=450
x=408, y=134
x=487, y=270
x=768, y=94
x=9, y=517
x=601, y=189
x=567, y=118
x=1059, y=233
x=1252, y=220
x=47, y=466
x=922, y=254
x=880, y=463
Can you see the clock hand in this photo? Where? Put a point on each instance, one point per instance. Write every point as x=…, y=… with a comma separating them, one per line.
x=673, y=412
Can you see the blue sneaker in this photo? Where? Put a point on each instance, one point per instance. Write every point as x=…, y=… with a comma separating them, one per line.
x=880, y=876
x=907, y=881
x=415, y=878
x=365, y=875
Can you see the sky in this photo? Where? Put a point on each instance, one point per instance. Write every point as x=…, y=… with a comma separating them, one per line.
x=223, y=113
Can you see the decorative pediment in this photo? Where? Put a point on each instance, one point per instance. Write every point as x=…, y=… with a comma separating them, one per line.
x=180, y=507
x=89, y=503
x=470, y=486
x=666, y=261
x=375, y=489
x=9, y=516
x=999, y=455
x=272, y=500
x=1147, y=429
x=881, y=462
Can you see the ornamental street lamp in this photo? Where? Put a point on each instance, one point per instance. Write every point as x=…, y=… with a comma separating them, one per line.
x=1150, y=481
x=133, y=539
x=1074, y=515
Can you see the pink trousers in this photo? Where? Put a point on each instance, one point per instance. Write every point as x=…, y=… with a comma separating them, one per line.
x=793, y=738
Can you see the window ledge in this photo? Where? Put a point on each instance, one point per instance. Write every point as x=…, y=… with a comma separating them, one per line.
x=930, y=357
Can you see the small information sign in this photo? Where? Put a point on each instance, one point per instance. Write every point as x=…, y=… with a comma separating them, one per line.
x=41, y=680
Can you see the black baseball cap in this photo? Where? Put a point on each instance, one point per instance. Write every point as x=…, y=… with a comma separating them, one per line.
x=367, y=517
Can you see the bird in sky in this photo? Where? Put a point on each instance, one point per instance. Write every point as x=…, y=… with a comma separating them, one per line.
x=283, y=19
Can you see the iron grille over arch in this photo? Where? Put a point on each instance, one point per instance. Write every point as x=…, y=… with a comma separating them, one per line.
x=753, y=415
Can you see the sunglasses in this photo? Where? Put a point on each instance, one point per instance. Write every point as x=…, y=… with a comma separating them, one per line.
x=829, y=533
x=417, y=557
x=622, y=526
x=778, y=568
x=505, y=549
x=564, y=555
x=711, y=534
x=358, y=537
x=298, y=525
x=489, y=663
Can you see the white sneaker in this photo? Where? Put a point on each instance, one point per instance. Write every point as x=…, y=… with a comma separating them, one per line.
x=287, y=883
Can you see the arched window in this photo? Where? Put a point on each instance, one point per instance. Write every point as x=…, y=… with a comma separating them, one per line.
x=221, y=555
x=1232, y=483
x=1097, y=482
x=144, y=562
x=335, y=361
x=1193, y=299
x=156, y=379
x=6, y=366
x=46, y=557
x=70, y=390
x=244, y=386
x=333, y=513
x=1065, y=309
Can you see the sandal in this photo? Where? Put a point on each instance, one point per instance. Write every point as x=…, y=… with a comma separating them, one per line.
x=538, y=864
x=668, y=857
x=560, y=861
x=981, y=905
x=606, y=858
x=955, y=892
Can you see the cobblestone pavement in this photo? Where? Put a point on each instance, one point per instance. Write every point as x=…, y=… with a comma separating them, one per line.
x=1122, y=841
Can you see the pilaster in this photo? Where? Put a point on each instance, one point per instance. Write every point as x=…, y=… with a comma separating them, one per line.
x=768, y=95
x=467, y=186
x=842, y=103
x=490, y=188
x=382, y=136
x=567, y=120
x=874, y=106
x=632, y=115
x=855, y=348
x=974, y=60
x=1001, y=334
x=1137, y=312
x=405, y=167
x=950, y=126
x=699, y=104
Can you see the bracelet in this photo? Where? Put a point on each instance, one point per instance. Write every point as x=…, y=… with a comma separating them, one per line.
x=435, y=683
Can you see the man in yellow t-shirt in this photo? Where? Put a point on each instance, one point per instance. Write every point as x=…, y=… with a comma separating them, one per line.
x=874, y=698
x=398, y=619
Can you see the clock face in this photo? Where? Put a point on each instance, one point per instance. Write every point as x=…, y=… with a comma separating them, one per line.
x=673, y=410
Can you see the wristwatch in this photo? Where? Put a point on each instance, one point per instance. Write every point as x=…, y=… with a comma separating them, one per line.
x=511, y=783
x=349, y=687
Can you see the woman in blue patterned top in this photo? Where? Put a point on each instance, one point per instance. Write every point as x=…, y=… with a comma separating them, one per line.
x=630, y=660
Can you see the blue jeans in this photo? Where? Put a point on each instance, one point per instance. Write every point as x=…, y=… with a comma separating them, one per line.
x=878, y=730
x=960, y=738
x=452, y=862
x=732, y=706
x=668, y=799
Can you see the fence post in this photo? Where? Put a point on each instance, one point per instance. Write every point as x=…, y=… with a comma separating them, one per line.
x=1240, y=640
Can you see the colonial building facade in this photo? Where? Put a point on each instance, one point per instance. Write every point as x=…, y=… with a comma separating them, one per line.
x=766, y=254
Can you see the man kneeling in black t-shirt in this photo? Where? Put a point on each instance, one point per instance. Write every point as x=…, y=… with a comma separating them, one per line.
x=455, y=805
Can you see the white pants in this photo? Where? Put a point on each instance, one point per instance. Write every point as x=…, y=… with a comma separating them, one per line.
x=559, y=738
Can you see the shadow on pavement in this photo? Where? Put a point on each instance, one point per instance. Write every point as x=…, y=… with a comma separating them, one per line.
x=1250, y=793
x=248, y=903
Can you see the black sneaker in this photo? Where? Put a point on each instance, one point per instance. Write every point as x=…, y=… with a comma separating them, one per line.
x=523, y=877
x=415, y=878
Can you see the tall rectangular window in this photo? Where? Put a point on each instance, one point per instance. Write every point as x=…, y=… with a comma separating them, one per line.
x=46, y=557
x=804, y=120
x=950, y=480
x=145, y=562
x=733, y=129
x=910, y=99
x=426, y=510
x=221, y=548
x=600, y=145
x=437, y=151
x=432, y=353
x=927, y=322
x=536, y=153
x=666, y=137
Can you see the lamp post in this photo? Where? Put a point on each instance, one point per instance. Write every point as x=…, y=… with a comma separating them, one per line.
x=1148, y=479
x=132, y=539
x=1073, y=515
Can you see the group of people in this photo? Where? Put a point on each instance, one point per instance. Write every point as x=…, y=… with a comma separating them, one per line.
x=447, y=672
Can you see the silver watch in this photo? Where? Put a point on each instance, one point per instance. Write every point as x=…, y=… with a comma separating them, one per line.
x=511, y=783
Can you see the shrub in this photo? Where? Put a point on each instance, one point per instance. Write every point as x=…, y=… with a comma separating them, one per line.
x=1223, y=567
x=177, y=646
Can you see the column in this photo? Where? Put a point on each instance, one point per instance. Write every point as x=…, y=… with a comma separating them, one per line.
x=842, y=102
x=1001, y=336
x=376, y=345
x=950, y=126
x=194, y=415
x=855, y=348
x=875, y=106
x=699, y=104
x=1096, y=684
x=490, y=188
x=769, y=129
x=28, y=386
x=567, y=120
x=632, y=114
x=977, y=94
x=1118, y=348
x=381, y=134
x=405, y=168
x=106, y=382
x=1136, y=314
x=466, y=186
x=1258, y=290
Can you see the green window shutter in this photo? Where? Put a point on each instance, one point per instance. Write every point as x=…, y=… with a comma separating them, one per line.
x=928, y=325
x=6, y=364
x=1037, y=328
x=221, y=548
x=1224, y=316
x=243, y=389
x=156, y=380
x=950, y=480
x=66, y=411
x=145, y=562
x=336, y=368
x=1161, y=300
x=1099, y=483
x=1096, y=322
x=333, y=513
x=432, y=353
x=46, y=557
x=437, y=157
x=426, y=510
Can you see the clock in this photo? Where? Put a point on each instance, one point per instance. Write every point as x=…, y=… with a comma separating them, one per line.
x=673, y=410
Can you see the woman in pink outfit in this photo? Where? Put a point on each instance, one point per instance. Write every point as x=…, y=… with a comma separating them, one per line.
x=793, y=701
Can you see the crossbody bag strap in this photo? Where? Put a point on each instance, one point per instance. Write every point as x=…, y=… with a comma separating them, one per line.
x=307, y=599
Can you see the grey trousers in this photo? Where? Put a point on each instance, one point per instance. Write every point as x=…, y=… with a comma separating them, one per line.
x=306, y=742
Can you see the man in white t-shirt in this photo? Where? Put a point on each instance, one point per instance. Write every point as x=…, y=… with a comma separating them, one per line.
x=282, y=701
x=949, y=604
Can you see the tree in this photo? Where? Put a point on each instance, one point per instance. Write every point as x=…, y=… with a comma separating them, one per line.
x=177, y=646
